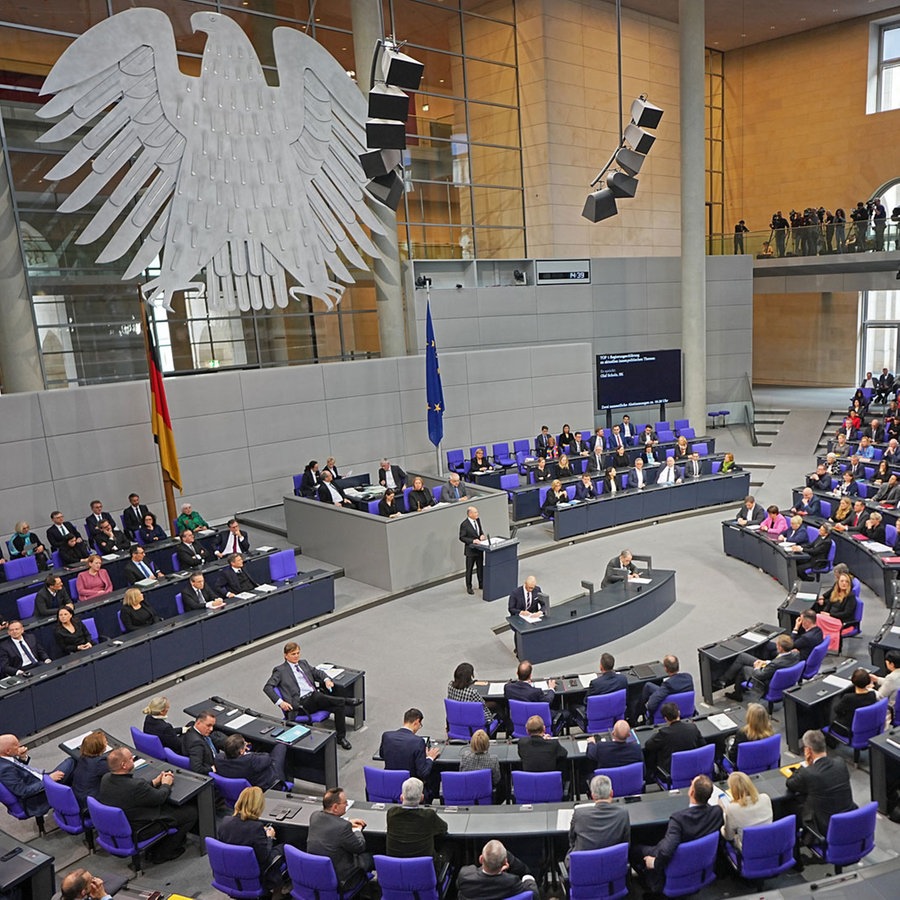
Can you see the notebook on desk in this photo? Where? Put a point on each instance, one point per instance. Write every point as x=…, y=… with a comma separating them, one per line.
x=649, y=670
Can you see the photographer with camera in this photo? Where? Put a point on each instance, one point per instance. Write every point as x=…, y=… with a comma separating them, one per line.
x=879, y=221
x=779, y=226
x=860, y=219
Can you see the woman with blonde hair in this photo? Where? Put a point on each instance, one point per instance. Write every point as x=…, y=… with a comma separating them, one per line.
x=155, y=723
x=747, y=808
x=556, y=495
x=757, y=725
x=134, y=613
x=245, y=829
x=839, y=600
x=478, y=756
x=94, y=581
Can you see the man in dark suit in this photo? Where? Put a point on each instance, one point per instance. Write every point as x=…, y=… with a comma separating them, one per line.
x=309, y=481
x=189, y=553
x=542, y=441
x=856, y=469
x=404, y=749
x=201, y=742
x=874, y=528
x=618, y=569
x=596, y=461
x=453, y=491
x=522, y=688
x=20, y=652
x=818, y=552
x=262, y=770
x=138, y=568
x=92, y=522
x=885, y=385
x=627, y=430
x=133, y=514
x=640, y=476
x=759, y=672
x=858, y=518
x=806, y=634
x=200, y=595
x=233, y=579
x=498, y=876
x=539, y=751
x=145, y=803
x=110, y=540
x=685, y=825
x=598, y=441
x=24, y=782
x=889, y=492
x=874, y=432
x=808, y=505
x=235, y=540
x=601, y=825
x=581, y=447
x=472, y=534
x=585, y=489
x=526, y=598
x=391, y=476
x=51, y=597
x=331, y=493
x=609, y=680
x=340, y=839
x=820, y=480
x=822, y=787
x=60, y=531
x=620, y=750
x=616, y=438
x=674, y=736
x=675, y=682
x=694, y=467
x=750, y=513
x=301, y=689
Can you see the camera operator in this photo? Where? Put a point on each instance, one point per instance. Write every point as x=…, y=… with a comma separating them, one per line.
x=860, y=219
x=879, y=221
x=779, y=226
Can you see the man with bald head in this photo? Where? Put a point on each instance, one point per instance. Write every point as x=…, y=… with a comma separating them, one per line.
x=619, y=748
x=145, y=804
x=453, y=491
x=25, y=782
x=80, y=883
x=497, y=876
x=472, y=536
x=526, y=598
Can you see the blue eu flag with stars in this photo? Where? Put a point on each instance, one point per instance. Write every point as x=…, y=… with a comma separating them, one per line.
x=434, y=392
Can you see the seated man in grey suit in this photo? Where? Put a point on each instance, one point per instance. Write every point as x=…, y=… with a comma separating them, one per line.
x=340, y=839
x=453, y=491
x=602, y=825
x=618, y=568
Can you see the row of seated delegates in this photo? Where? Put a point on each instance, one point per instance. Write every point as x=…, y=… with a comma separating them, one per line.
x=419, y=498
x=311, y=478
x=883, y=387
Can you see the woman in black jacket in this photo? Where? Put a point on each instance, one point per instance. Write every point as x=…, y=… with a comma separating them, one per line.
x=245, y=829
x=135, y=613
x=70, y=634
x=155, y=723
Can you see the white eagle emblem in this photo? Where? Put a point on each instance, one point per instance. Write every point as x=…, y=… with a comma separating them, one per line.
x=219, y=171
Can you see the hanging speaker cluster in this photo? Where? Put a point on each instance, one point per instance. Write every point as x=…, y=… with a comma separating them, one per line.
x=386, y=122
x=626, y=162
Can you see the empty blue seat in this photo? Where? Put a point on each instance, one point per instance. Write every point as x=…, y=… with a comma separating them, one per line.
x=501, y=454
x=282, y=565
x=384, y=785
x=626, y=780
x=537, y=787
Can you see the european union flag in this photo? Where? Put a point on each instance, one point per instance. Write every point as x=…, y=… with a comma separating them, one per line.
x=434, y=392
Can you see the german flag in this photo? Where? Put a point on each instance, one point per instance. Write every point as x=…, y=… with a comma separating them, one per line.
x=159, y=408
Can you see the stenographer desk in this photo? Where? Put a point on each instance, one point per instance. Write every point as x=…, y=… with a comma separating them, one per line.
x=884, y=767
x=82, y=680
x=716, y=658
x=187, y=788
x=413, y=550
x=653, y=501
x=582, y=623
x=755, y=547
x=312, y=757
x=808, y=705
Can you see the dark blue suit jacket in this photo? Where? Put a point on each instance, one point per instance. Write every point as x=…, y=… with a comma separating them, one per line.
x=527, y=693
x=686, y=825
x=27, y=789
x=612, y=754
x=585, y=492
x=607, y=683
x=401, y=749
x=674, y=684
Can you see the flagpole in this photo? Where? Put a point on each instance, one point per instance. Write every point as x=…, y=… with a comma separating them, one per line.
x=168, y=488
x=437, y=447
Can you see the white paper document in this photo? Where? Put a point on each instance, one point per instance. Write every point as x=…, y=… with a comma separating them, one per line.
x=895, y=629
x=722, y=722
x=241, y=721
x=640, y=580
x=245, y=595
x=586, y=680
x=330, y=670
x=805, y=595
x=264, y=549
x=752, y=527
x=563, y=819
x=582, y=746
x=532, y=617
x=541, y=685
x=754, y=636
x=266, y=588
x=836, y=681
x=877, y=547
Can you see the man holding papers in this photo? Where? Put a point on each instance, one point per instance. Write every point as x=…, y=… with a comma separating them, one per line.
x=619, y=568
x=526, y=598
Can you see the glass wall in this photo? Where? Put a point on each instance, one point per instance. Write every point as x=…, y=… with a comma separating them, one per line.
x=463, y=174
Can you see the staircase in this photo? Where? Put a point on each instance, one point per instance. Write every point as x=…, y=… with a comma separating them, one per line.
x=767, y=423
x=835, y=419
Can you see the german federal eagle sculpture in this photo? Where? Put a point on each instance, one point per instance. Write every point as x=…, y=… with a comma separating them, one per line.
x=218, y=172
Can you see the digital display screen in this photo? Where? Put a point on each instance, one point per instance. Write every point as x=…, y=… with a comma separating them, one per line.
x=643, y=378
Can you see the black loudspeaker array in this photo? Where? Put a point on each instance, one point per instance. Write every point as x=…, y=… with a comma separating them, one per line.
x=386, y=122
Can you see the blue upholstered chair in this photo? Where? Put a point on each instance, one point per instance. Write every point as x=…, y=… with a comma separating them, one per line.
x=692, y=867
x=472, y=788
x=599, y=874
x=465, y=718
x=756, y=756
x=766, y=850
x=685, y=765
x=626, y=780
x=684, y=701
x=235, y=870
x=383, y=785
x=537, y=787
x=313, y=877
x=147, y=744
x=867, y=722
x=412, y=878
x=851, y=836
x=66, y=811
x=115, y=834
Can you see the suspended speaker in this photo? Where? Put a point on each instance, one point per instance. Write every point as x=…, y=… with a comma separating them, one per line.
x=401, y=70
x=385, y=134
x=379, y=162
x=645, y=115
x=387, y=189
x=599, y=205
x=638, y=139
x=622, y=185
x=387, y=102
x=629, y=161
